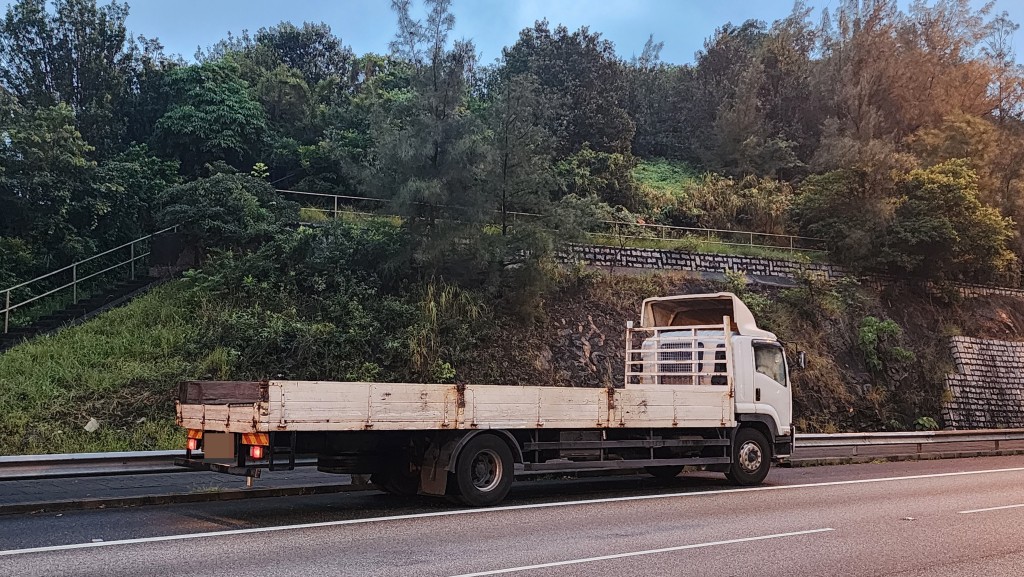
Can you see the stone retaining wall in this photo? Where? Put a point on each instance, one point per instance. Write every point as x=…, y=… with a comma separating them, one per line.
x=987, y=389
x=661, y=259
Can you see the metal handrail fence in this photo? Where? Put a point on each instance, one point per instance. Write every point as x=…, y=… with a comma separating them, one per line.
x=45, y=282
x=339, y=204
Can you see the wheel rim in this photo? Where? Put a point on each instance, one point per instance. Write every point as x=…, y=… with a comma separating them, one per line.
x=485, y=471
x=750, y=457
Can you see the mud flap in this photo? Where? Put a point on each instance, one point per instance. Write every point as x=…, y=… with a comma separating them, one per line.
x=434, y=472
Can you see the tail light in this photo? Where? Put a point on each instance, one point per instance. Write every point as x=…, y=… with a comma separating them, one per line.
x=256, y=452
x=195, y=439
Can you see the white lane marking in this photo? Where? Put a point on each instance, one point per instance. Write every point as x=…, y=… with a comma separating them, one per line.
x=637, y=553
x=490, y=510
x=991, y=509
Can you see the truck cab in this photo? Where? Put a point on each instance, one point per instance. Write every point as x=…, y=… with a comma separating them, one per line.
x=713, y=340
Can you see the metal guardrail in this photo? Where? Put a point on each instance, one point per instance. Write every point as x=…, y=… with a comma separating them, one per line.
x=76, y=279
x=143, y=462
x=25, y=467
x=919, y=439
x=338, y=205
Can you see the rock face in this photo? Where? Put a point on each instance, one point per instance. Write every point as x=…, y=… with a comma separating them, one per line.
x=987, y=390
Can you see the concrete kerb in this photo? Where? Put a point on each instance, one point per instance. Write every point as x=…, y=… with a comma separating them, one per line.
x=178, y=498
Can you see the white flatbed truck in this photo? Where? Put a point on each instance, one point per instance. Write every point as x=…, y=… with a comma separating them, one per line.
x=702, y=386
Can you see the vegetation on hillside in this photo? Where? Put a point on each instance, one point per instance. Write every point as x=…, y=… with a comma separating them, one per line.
x=893, y=135
x=337, y=303
x=840, y=126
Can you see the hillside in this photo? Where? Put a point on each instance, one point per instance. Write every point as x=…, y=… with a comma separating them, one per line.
x=877, y=359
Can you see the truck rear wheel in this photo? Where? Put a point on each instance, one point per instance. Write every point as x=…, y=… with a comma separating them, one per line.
x=751, y=457
x=484, y=471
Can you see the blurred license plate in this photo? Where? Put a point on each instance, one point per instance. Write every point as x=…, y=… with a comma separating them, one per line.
x=218, y=445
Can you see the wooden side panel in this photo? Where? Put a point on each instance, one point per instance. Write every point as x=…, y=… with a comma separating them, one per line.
x=522, y=407
x=336, y=406
x=355, y=406
x=673, y=406
x=239, y=418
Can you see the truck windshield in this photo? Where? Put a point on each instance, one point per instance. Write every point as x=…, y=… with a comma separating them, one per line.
x=770, y=361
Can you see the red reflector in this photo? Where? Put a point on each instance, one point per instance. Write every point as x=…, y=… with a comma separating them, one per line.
x=193, y=444
x=256, y=452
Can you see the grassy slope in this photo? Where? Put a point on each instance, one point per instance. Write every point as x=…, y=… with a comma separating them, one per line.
x=666, y=177
x=120, y=368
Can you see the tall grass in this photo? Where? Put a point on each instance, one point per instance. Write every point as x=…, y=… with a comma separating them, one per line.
x=120, y=368
x=668, y=177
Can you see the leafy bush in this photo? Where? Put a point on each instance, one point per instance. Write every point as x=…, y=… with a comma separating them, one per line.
x=227, y=210
x=877, y=341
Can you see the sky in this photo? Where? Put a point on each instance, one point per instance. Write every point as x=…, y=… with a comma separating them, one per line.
x=368, y=25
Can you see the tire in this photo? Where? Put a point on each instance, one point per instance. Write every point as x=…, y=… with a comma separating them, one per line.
x=484, y=471
x=751, y=457
x=664, y=472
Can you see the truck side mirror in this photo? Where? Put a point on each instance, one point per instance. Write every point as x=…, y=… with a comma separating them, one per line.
x=801, y=359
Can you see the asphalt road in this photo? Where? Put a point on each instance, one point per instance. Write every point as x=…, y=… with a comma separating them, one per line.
x=955, y=517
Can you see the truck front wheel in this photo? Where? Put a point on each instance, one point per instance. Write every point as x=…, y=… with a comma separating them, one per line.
x=484, y=471
x=751, y=457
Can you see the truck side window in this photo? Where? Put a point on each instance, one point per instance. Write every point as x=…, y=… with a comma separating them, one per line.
x=769, y=361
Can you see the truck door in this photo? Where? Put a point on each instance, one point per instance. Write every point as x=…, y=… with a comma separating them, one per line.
x=772, y=395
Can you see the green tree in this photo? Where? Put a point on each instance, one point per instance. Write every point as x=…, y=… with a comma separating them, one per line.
x=288, y=102
x=47, y=192
x=843, y=208
x=941, y=230
x=78, y=54
x=429, y=154
x=226, y=211
x=132, y=183
x=583, y=71
x=521, y=173
x=606, y=176
x=213, y=116
x=312, y=49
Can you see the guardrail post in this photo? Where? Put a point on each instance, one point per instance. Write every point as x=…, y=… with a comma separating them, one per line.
x=133, y=259
x=7, y=310
x=335, y=207
x=74, y=283
x=751, y=239
x=997, y=444
x=920, y=448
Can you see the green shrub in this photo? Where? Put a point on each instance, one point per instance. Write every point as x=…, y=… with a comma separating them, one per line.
x=227, y=210
x=877, y=340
